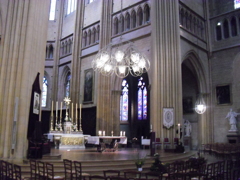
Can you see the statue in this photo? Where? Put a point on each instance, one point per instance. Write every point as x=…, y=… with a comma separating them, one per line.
x=232, y=120
x=187, y=128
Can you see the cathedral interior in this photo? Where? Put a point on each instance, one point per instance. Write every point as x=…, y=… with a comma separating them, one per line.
x=48, y=50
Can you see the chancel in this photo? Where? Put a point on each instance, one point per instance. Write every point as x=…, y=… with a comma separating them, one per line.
x=72, y=68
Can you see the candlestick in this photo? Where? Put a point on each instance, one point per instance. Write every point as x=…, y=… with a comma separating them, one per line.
x=76, y=112
x=99, y=133
x=123, y=133
x=80, y=111
x=72, y=112
x=103, y=133
x=60, y=110
x=57, y=109
x=179, y=131
x=52, y=109
x=112, y=133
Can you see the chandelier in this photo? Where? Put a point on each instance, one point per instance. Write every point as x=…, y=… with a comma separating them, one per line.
x=200, y=105
x=120, y=59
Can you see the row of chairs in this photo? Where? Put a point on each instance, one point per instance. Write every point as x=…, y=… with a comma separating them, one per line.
x=220, y=170
x=10, y=171
x=223, y=150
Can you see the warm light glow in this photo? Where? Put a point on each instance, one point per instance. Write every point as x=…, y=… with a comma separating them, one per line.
x=200, y=106
x=142, y=63
x=119, y=56
x=135, y=68
x=122, y=69
x=135, y=57
x=120, y=61
x=107, y=67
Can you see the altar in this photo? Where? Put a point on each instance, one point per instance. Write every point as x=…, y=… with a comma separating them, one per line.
x=107, y=143
x=67, y=141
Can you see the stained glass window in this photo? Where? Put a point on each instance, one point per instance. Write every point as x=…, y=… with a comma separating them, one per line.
x=44, y=92
x=142, y=99
x=68, y=85
x=236, y=4
x=124, y=102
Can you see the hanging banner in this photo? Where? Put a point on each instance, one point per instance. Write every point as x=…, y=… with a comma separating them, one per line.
x=168, y=117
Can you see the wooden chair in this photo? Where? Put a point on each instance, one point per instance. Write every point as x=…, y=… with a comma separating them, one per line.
x=210, y=171
x=175, y=141
x=78, y=169
x=236, y=173
x=130, y=174
x=117, y=178
x=158, y=142
x=18, y=173
x=9, y=171
x=3, y=169
x=70, y=173
x=154, y=175
x=50, y=173
x=33, y=169
x=41, y=170
x=97, y=177
x=166, y=142
x=111, y=173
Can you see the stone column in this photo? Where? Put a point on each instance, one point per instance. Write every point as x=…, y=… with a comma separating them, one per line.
x=22, y=56
x=104, y=83
x=166, y=65
x=76, y=53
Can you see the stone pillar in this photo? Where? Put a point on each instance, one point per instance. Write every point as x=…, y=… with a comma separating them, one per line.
x=76, y=61
x=22, y=56
x=166, y=82
x=104, y=83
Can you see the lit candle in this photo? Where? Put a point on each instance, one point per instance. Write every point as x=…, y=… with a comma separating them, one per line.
x=120, y=133
x=76, y=112
x=123, y=133
x=57, y=109
x=179, y=131
x=61, y=110
x=52, y=110
x=72, y=112
x=100, y=133
x=103, y=133
x=112, y=133
x=80, y=109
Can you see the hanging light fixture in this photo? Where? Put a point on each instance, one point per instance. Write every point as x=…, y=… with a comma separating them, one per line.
x=121, y=59
x=200, y=105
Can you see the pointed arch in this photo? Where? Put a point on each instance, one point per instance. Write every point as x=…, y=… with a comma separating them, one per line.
x=127, y=22
x=84, y=41
x=146, y=13
x=65, y=81
x=226, y=29
x=233, y=26
x=94, y=35
x=121, y=23
x=133, y=19
x=192, y=60
x=89, y=37
x=139, y=16
x=50, y=55
x=115, y=25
